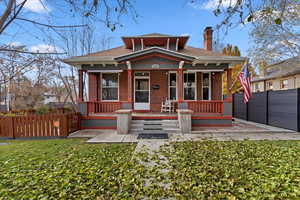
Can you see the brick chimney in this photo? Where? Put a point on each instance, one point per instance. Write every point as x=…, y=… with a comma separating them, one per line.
x=208, y=38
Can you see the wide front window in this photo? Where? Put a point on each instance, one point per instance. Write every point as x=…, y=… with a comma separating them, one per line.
x=110, y=86
x=172, y=86
x=190, y=86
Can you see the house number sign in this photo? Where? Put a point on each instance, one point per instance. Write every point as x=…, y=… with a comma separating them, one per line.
x=155, y=66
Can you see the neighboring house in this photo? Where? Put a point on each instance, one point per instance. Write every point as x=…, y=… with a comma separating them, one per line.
x=48, y=98
x=147, y=70
x=279, y=76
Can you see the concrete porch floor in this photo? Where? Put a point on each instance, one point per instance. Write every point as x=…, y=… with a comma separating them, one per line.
x=154, y=114
x=241, y=130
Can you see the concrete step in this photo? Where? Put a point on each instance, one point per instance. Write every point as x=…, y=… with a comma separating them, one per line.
x=154, y=126
x=155, y=122
x=137, y=131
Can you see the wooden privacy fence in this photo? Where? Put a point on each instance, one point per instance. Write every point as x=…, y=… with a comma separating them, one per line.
x=48, y=125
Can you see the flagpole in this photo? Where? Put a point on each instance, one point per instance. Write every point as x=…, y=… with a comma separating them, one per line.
x=239, y=74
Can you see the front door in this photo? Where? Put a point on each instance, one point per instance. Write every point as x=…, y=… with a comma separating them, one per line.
x=141, y=93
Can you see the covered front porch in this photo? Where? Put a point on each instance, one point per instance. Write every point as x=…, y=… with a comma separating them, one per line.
x=145, y=91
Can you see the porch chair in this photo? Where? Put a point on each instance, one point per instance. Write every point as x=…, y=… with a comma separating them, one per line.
x=166, y=106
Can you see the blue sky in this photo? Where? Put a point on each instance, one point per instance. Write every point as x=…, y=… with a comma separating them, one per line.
x=174, y=17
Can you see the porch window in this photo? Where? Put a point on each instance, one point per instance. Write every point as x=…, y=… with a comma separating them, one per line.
x=172, y=86
x=110, y=86
x=190, y=86
x=206, y=86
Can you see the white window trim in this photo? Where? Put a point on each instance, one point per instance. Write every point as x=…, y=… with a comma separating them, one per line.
x=287, y=85
x=209, y=86
x=256, y=87
x=169, y=86
x=110, y=87
x=268, y=85
x=142, y=77
x=191, y=87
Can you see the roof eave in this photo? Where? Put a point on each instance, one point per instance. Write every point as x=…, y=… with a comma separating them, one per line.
x=232, y=60
x=88, y=60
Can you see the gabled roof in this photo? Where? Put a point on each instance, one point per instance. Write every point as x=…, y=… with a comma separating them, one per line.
x=154, y=50
x=285, y=68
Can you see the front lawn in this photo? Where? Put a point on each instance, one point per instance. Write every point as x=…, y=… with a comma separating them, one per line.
x=71, y=169
x=67, y=169
x=235, y=170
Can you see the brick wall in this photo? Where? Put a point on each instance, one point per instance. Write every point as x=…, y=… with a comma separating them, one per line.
x=99, y=83
x=216, y=83
x=159, y=95
x=199, y=85
x=92, y=87
x=156, y=95
x=123, y=86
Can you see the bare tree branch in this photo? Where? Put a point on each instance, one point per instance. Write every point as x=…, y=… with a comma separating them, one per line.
x=51, y=26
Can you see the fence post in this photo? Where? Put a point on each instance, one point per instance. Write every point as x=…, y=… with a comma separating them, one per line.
x=233, y=104
x=267, y=108
x=78, y=121
x=63, y=130
x=11, y=133
x=298, y=109
x=247, y=111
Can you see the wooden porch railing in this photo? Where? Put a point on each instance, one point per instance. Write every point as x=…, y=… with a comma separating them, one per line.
x=206, y=106
x=103, y=107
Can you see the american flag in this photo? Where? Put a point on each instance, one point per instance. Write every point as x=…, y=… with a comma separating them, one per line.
x=244, y=78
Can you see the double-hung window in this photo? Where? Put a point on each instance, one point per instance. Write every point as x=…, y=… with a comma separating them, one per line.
x=172, y=86
x=110, y=87
x=190, y=86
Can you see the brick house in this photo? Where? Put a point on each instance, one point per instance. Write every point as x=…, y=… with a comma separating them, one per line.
x=147, y=70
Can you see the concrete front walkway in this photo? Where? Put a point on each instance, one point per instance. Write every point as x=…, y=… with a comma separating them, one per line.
x=242, y=130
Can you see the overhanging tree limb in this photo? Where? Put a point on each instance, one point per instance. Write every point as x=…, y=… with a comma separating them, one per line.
x=51, y=26
x=30, y=52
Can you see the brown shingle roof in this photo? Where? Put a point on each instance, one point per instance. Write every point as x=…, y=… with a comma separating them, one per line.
x=117, y=51
x=121, y=50
x=193, y=51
